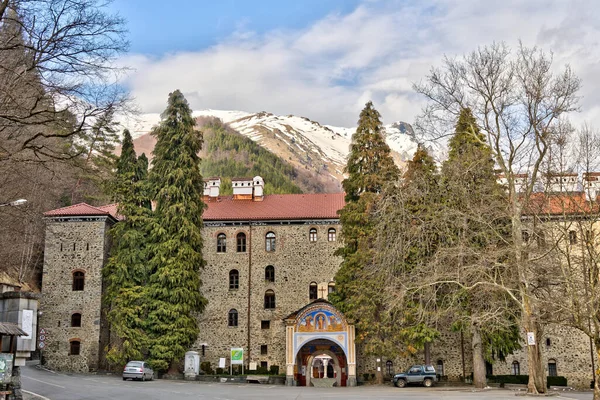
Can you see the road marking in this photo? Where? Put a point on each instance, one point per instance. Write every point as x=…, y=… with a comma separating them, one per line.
x=47, y=383
x=34, y=394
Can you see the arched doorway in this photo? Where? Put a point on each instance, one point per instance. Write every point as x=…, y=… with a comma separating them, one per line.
x=322, y=363
x=320, y=347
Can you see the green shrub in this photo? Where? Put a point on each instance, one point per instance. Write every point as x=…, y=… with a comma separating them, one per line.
x=274, y=370
x=220, y=371
x=556, y=381
x=366, y=376
x=262, y=371
x=512, y=379
x=205, y=366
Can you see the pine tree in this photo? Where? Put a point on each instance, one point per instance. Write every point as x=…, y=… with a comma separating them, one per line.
x=370, y=167
x=175, y=237
x=126, y=272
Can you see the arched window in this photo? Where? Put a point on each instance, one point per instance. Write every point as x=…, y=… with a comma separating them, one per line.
x=74, y=348
x=221, y=243
x=270, y=273
x=525, y=236
x=270, y=241
x=312, y=235
x=78, y=280
x=234, y=279
x=552, y=370
x=232, y=318
x=312, y=291
x=440, y=367
x=516, y=368
x=241, y=242
x=331, y=235
x=331, y=287
x=76, y=320
x=269, y=300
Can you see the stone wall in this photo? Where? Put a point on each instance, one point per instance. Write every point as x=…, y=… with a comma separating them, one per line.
x=73, y=244
x=297, y=263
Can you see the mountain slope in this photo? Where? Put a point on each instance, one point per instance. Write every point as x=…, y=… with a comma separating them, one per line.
x=308, y=146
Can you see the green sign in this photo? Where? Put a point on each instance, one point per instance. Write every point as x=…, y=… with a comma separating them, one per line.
x=6, y=366
x=237, y=355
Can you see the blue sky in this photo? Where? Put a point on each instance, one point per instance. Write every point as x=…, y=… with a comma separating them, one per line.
x=324, y=59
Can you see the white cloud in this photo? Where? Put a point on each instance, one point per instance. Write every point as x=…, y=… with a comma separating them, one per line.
x=328, y=70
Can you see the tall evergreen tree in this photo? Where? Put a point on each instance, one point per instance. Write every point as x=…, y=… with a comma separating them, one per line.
x=175, y=237
x=370, y=167
x=126, y=273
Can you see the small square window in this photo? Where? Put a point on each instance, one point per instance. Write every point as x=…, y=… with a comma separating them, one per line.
x=263, y=349
x=264, y=364
x=265, y=324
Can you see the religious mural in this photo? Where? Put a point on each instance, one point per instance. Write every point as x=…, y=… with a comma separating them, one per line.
x=320, y=320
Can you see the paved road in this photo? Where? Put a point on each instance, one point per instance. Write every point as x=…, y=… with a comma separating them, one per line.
x=57, y=386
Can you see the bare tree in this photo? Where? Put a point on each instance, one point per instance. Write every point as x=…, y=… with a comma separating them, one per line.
x=517, y=100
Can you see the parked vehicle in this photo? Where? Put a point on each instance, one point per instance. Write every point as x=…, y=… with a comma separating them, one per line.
x=138, y=370
x=421, y=374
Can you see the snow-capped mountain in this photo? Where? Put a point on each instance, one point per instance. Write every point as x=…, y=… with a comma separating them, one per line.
x=299, y=140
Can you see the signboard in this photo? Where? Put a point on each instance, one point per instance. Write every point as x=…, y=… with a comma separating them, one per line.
x=252, y=366
x=237, y=356
x=530, y=338
x=221, y=362
x=27, y=323
x=6, y=365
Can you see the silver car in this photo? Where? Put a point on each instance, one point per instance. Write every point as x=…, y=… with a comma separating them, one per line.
x=138, y=370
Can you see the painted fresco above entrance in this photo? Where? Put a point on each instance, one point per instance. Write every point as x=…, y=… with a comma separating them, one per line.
x=320, y=319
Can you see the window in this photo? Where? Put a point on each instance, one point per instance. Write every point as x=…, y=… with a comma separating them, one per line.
x=515, y=368
x=78, y=280
x=74, y=348
x=331, y=287
x=312, y=235
x=552, y=371
x=61, y=247
x=269, y=300
x=264, y=364
x=312, y=291
x=221, y=243
x=76, y=320
x=270, y=241
x=234, y=279
x=241, y=242
x=265, y=324
x=264, y=350
x=572, y=237
x=525, y=236
x=548, y=342
x=541, y=239
x=270, y=273
x=203, y=350
x=87, y=246
x=232, y=318
x=440, y=367
x=331, y=235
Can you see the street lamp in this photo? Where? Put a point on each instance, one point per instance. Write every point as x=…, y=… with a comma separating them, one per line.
x=19, y=202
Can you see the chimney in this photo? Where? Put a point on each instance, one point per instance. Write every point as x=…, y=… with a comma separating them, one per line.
x=259, y=188
x=591, y=185
x=562, y=182
x=211, y=188
x=242, y=188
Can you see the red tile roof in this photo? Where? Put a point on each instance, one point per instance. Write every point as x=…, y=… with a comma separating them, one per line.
x=83, y=209
x=276, y=207
x=272, y=207
x=569, y=203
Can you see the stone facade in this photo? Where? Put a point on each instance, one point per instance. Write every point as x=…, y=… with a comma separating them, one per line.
x=297, y=262
x=73, y=244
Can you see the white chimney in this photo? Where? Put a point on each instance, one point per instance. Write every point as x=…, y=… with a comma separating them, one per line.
x=211, y=187
x=259, y=188
x=242, y=188
x=591, y=185
x=562, y=182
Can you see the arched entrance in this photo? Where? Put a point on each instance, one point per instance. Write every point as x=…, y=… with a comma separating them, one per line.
x=323, y=364
x=320, y=347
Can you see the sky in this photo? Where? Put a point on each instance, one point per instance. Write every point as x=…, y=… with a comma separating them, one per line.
x=324, y=59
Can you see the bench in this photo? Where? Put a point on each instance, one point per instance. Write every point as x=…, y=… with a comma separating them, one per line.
x=257, y=379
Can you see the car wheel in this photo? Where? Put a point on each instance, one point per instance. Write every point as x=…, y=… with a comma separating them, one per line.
x=427, y=383
x=400, y=383
x=124, y=379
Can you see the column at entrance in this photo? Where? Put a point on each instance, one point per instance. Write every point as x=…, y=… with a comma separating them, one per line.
x=351, y=357
x=289, y=356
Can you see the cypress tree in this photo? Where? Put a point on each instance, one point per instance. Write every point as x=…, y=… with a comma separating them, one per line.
x=370, y=167
x=175, y=237
x=126, y=272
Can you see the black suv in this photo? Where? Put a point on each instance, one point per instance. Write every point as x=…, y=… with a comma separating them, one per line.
x=421, y=374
